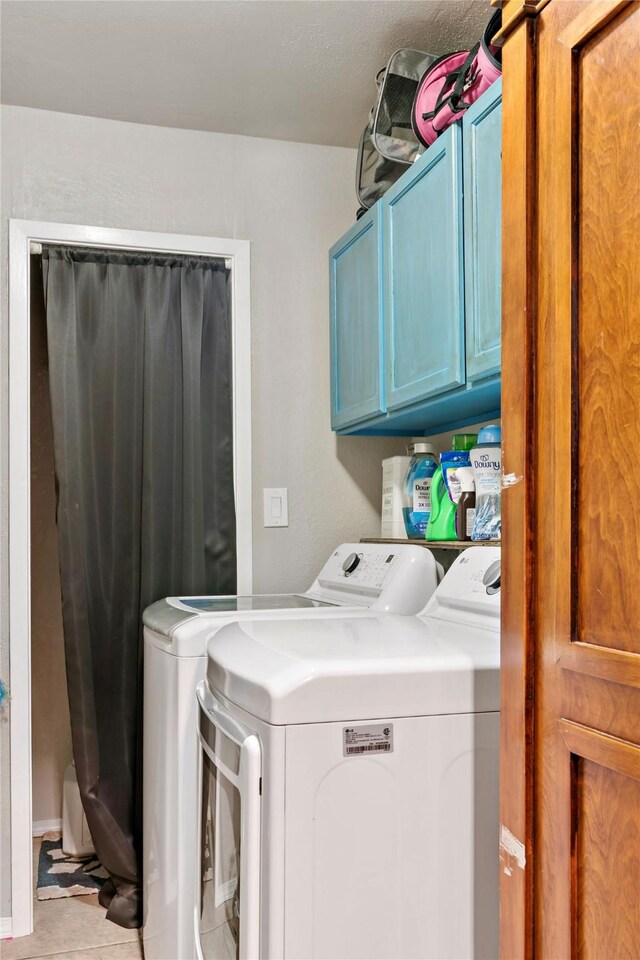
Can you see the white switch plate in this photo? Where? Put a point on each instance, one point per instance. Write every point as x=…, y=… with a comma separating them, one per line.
x=276, y=507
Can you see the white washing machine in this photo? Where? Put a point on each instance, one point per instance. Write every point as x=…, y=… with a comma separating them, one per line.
x=355, y=579
x=349, y=782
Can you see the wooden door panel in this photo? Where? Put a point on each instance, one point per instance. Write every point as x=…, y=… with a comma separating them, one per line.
x=615, y=665
x=587, y=536
x=587, y=541
x=605, y=830
x=579, y=634
x=607, y=905
x=613, y=708
x=606, y=128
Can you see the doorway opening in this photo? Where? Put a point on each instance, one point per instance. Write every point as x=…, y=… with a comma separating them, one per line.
x=39, y=724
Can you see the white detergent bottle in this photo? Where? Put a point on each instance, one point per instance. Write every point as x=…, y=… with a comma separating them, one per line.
x=486, y=461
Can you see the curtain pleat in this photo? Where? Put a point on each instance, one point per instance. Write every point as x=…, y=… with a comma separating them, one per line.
x=139, y=365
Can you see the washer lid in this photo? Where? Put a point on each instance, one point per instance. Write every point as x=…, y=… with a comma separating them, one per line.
x=238, y=604
x=181, y=634
x=379, y=665
x=398, y=579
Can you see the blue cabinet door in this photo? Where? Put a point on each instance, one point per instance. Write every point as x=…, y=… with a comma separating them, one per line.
x=482, y=148
x=424, y=304
x=356, y=322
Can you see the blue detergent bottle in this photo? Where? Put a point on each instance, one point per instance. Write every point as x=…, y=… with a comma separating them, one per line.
x=416, y=495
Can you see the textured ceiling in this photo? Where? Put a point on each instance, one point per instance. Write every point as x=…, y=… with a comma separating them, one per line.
x=289, y=69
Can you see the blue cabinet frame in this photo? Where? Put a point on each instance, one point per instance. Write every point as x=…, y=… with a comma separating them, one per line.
x=424, y=295
x=482, y=148
x=357, y=349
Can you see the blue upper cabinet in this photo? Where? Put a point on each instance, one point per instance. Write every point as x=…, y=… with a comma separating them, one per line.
x=357, y=322
x=424, y=296
x=481, y=140
x=415, y=291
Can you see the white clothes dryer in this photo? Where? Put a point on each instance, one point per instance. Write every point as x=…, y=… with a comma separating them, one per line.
x=349, y=782
x=356, y=578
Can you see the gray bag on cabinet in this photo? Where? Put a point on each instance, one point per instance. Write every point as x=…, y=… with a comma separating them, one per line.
x=388, y=144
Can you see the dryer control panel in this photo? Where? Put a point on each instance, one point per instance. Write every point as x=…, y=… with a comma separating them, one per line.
x=470, y=591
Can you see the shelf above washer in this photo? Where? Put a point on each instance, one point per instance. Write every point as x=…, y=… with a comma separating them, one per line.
x=437, y=544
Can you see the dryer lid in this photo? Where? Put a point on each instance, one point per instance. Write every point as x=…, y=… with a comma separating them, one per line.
x=354, y=668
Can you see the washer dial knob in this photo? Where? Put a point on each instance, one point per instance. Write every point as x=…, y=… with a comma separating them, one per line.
x=491, y=578
x=350, y=563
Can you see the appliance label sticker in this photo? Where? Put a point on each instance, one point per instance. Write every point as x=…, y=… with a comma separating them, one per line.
x=372, y=738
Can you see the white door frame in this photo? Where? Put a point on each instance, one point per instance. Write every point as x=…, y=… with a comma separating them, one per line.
x=21, y=234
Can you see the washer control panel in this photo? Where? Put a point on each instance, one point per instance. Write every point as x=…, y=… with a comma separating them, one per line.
x=397, y=578
x=361, y=568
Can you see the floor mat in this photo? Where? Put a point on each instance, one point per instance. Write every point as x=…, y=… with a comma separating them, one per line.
x=63, y=876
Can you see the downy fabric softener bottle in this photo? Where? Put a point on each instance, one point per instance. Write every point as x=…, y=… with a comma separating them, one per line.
x=486, y=460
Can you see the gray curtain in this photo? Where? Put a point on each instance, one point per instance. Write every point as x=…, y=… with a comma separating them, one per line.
x=139, y=363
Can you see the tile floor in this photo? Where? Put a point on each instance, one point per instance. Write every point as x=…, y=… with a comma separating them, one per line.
x=72, y=928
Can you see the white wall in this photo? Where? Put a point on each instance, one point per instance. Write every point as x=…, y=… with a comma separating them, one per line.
x=291, y=201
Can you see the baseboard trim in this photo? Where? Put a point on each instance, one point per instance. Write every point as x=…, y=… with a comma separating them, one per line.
x=6, y=928
x=40, y=827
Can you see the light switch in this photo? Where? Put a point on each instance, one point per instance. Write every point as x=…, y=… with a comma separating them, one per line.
x=276, y=511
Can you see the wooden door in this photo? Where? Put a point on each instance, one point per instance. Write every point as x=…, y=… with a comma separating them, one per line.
x=424, y=300
x=355, y=272
x=571, y=637
x=481, y=148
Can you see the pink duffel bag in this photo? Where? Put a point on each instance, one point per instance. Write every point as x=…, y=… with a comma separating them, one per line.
x=453, y=83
